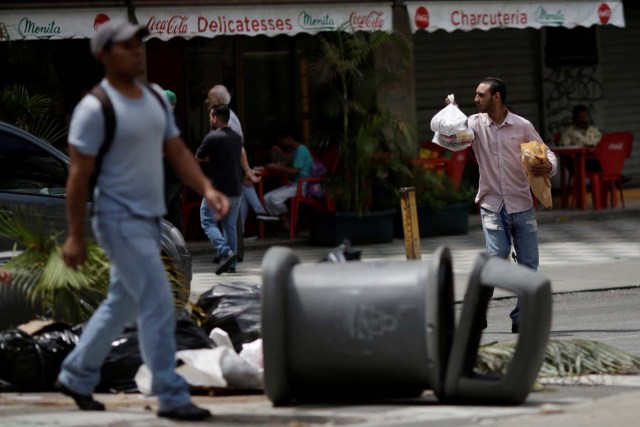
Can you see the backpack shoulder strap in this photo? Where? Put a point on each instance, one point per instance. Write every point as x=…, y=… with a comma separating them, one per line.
x=109, y=124
x=154, y=92
x=109, y=115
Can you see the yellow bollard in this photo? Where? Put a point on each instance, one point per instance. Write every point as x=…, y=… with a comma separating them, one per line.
x=410, y=222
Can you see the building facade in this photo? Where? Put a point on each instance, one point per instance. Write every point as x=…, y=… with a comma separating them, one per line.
x=552, y=55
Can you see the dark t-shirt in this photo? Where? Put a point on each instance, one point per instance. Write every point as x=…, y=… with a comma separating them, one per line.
x=223, y=147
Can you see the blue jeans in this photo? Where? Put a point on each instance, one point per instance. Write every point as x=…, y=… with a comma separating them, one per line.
x=501, y=229
x=138, y=291
x=250, y=198
x=227, y=242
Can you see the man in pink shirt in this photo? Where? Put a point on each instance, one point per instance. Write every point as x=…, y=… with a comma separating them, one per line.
x=504, y=196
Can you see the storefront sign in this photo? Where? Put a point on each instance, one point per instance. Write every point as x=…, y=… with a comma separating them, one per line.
x=472, y=15
x=43, y=24
x=188, y=22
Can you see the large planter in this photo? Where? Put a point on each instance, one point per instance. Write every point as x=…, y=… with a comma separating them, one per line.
x=450, y=220
x=331, y=228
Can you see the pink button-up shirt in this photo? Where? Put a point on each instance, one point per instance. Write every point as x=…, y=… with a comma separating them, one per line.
x=503, y=181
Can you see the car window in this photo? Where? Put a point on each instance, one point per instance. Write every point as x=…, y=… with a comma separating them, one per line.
x=26, y=168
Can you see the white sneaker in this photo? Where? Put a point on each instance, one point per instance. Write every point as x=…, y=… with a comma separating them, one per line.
x=268, y=218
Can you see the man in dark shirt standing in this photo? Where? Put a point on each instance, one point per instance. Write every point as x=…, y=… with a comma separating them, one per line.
x=222, y=148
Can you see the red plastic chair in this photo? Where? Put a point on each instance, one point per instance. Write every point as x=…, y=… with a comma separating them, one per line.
x=189, y=204
x=612, y=151
x=304, y=199
x=456, y=165
x=453, y=166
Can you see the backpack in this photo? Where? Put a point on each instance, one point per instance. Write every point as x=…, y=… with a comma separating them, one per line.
x=110, y=126
x=316, y=189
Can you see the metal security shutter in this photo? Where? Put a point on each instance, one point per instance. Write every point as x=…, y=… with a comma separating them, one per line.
x=620, y=62
x=456, y=62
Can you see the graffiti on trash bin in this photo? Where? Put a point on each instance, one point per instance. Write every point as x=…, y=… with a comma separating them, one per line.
x=369, y=322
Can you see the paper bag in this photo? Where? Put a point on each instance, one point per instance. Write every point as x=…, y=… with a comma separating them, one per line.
x=534, y=152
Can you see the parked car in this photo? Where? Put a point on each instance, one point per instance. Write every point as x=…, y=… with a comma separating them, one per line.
x=33, y=176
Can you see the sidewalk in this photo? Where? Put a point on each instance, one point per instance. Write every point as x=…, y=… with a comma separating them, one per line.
x=544, y=216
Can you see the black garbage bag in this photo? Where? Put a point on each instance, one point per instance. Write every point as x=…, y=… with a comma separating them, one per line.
x=121, y=364
x=32, y=362
x=19, y=361
x=120, y=367
x=235, y=308
x=54, y=343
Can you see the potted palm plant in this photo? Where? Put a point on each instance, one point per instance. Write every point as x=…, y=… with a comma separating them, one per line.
x=442, y=207
x=369, y=138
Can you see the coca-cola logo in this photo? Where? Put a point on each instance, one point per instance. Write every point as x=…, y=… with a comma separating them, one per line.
x=422, y=17
x=372, y=21
x=177, y=24
x=100, y=19
x=604, y=12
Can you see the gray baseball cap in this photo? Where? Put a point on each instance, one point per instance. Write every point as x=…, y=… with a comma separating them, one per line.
x=116, y=31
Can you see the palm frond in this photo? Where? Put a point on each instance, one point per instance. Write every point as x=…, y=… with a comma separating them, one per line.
x=41, y=277
x=47, y=283
x=38, y=104
x=568, y=358
x=47, y=128
x=24, y=227
x=175, y=275
x=19, y=106
x=30, y=112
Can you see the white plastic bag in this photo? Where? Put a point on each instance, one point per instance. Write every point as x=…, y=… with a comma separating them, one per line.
x=221, y=338
x=252, y=353
x=210, y=367
x=450, y=120
x=200, y=368
x=461, y=140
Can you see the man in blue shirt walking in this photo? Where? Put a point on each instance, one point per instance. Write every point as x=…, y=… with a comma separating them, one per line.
x=128, y=206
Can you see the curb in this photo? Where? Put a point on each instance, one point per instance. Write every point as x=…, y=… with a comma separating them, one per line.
x=201, y=247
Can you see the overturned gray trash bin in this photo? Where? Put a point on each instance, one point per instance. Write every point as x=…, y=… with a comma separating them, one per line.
x=376, y=330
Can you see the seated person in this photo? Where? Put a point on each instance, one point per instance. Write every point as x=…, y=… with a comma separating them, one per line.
x=581, y=132
x=279, y=155
x=299, y=166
